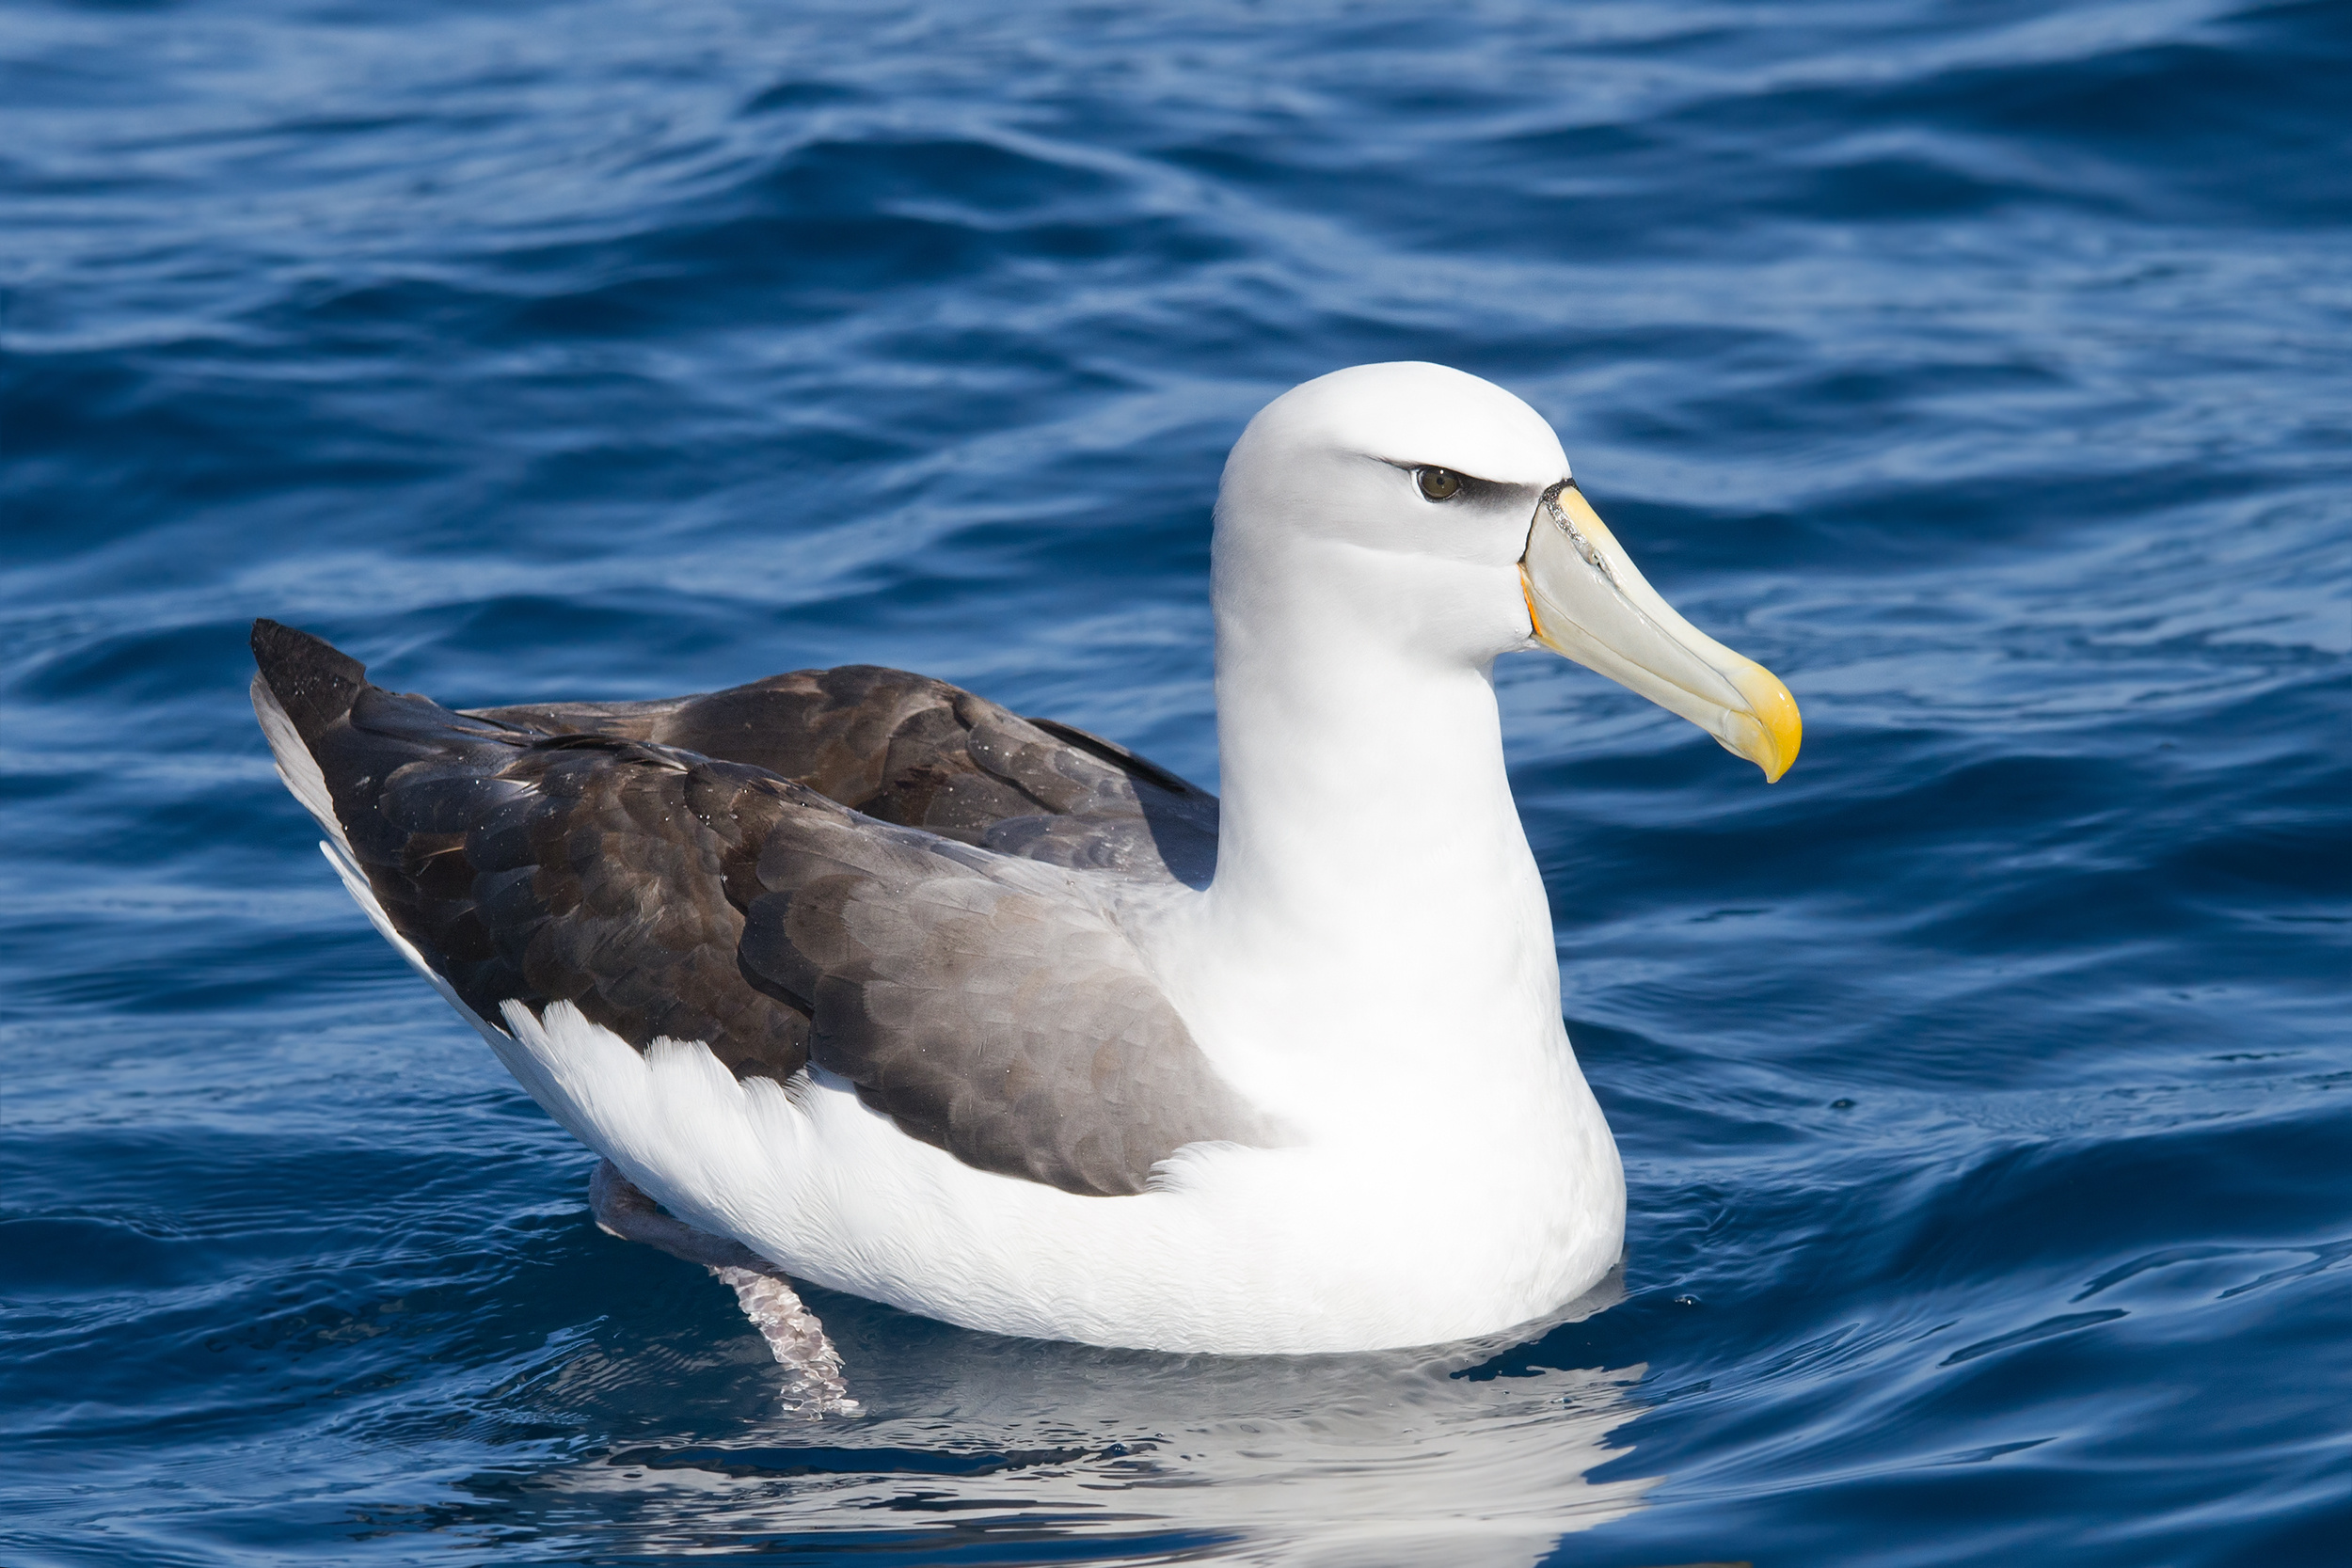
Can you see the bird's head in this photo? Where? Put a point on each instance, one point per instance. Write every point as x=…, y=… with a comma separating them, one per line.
x=1436, y=510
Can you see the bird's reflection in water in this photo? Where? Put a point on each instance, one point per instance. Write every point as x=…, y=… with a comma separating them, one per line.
x=1090, y=1454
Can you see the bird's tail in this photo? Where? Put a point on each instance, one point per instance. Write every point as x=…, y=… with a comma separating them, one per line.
x=303, y=687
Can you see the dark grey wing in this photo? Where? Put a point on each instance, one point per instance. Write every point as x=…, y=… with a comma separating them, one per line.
x=539, y=869
x=907, y=748
x=985, y=1003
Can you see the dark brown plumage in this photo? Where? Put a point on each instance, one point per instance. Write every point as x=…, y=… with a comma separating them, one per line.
x=850, y=869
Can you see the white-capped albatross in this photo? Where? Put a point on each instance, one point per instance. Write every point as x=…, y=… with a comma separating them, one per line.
x=994, y=1020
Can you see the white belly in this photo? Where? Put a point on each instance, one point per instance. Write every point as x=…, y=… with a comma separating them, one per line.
x=1232, y=1250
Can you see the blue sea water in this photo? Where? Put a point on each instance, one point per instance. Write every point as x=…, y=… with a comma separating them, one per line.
x=1985, y=1087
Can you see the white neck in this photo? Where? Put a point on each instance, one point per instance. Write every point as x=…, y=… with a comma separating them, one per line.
x=1375, y=898
x=1365, y=799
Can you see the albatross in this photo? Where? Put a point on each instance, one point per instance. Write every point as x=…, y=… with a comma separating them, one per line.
x=872, y=982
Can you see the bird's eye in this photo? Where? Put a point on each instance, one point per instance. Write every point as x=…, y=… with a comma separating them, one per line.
x=1439, y=484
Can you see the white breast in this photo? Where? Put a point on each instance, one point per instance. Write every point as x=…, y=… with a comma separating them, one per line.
x=1325, y=1247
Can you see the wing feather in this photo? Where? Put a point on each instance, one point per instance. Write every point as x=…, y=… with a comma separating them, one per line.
x=918, y=752
x=988, y=1003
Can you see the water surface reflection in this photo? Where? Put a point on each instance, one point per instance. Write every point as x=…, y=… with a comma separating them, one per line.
x=969, y=1439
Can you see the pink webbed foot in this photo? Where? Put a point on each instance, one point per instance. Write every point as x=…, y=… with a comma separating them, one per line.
x=812, y=1385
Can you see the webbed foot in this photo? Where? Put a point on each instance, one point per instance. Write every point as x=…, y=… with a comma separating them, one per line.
x=812, y=1385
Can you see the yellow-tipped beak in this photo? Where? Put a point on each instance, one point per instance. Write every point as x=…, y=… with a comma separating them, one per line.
x=1586, y=601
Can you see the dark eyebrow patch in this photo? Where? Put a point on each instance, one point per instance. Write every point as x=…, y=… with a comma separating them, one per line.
x=1474, y=489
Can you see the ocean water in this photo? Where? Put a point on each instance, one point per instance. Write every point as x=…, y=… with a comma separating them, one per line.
x=1985, y=1087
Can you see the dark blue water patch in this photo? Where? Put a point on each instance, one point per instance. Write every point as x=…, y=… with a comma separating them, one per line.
x=66, y=1257
x=1980, y=1085
x=2221, y=116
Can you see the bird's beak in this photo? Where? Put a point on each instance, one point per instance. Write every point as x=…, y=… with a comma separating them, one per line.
x=1589, y=604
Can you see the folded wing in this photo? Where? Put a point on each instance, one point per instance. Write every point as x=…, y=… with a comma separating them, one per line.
x=987, y=1001
x=916, y=752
